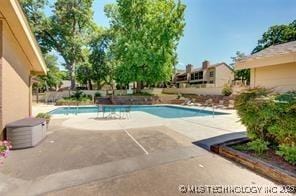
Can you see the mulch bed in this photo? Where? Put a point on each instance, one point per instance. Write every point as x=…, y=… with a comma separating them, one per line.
x=268, y=164
x=272, y=158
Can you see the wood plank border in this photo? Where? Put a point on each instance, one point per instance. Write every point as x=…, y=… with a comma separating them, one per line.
x=275, y=173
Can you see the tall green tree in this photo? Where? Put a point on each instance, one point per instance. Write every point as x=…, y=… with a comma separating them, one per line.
x=54, y=76
x=244, y=74
x=147, y=34
x=34, y=10
x=277, y=34
x=99, y=58
x=66, y=30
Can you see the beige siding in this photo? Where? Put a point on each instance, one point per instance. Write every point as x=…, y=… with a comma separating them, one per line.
x=223, y=76
x=1, y=46
x=15, y=80
x=281, y=77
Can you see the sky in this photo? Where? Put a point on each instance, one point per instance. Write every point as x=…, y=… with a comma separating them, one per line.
x=216, y=29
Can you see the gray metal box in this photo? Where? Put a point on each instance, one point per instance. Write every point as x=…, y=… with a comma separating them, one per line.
x=27, y=132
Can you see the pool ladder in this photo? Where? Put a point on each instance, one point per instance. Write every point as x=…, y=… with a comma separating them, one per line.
x=204, y=109
x=68, y=110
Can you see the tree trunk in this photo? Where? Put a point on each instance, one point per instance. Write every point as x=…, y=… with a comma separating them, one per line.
x=98, y=85
x=90, y=85
x=72, y=76
x=140, y=85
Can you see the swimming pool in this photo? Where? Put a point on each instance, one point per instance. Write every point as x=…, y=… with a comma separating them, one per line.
x=160, y=111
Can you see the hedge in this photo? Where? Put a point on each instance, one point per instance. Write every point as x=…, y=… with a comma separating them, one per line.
x=270, y=118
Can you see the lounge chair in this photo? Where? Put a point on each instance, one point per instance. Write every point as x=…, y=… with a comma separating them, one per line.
x=230, y=104
x=208, y=103
x=127, y=112
x=220, y=105
x=101, y=109
x=187, y=102
x=198, y=104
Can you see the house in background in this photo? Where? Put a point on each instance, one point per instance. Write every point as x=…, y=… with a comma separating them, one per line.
x=20, y=60
x=215, y=75
x=273, y=67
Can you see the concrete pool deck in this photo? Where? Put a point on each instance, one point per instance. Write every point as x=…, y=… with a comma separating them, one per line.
x=208, y=126
x=147, y=155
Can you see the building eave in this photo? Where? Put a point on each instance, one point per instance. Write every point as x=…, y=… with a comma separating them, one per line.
x=11, y=12
x=254, y=62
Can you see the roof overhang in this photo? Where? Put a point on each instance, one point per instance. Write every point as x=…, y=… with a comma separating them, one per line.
x=11, y=12
x=254, y=62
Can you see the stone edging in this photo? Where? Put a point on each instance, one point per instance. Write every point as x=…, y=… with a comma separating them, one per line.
x=275, y=173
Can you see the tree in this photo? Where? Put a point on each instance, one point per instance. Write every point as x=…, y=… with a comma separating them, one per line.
x=244, y=74
x=65, y=31
x=277, y=34
x=83, y=75
x=98, y=58
x=53, y=79
x=147, y=33
x=34, y=10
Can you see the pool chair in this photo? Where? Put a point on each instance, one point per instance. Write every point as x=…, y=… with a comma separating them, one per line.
x=101, y=109
x=208, y=103
x=187, y=102
x=220, y=105
x=230, y=104
x=198, y=104
x=127, y=112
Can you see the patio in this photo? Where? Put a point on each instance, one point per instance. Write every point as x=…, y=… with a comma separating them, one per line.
x=148, y=156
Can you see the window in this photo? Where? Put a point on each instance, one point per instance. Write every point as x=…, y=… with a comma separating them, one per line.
x=211, y=82
x=200, y=75
x=211, y=73
x=197, y=76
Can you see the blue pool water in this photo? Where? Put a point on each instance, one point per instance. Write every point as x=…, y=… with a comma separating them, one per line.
x=160, y=111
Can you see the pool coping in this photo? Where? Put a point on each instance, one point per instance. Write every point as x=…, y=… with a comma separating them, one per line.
x=209, y=110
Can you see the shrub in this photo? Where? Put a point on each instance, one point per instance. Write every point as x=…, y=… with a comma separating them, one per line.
x=97, y=94
x=288, y=153
x=77, y=95
x=61, y=102
x=289, y=97
x=258, y=146
x=227, y=90
x=256, y=112
x=179, y=96
x=270, y=118
x=46, y=116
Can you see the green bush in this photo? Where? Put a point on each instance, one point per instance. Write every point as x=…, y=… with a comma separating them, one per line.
x=288, y=153
x=287, y=97
x=179, y=96
x=256, y=112
x=97, y=94
x=227, y=90
x=258, y=146
x=269, y=117
x=46, y=116
x=79, y=96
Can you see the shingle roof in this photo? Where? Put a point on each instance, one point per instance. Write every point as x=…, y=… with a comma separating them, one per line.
x=210, y=66
x=280, y=49
x=200, y=68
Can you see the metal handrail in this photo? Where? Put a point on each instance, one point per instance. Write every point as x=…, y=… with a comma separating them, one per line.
x=211, y=105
